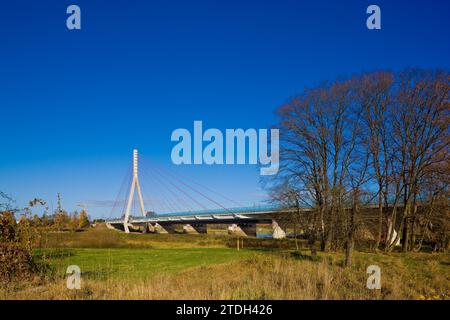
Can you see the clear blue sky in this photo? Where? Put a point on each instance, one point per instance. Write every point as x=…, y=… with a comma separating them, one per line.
x=75, y=103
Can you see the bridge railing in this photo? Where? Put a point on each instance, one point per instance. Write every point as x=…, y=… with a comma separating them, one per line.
x=253, y=209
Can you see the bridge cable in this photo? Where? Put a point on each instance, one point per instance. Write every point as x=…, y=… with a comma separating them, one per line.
x=194, y=189
x=163, y=198
x=181, y=190
x=208, y=189
x=176, y=200
x=122, y=187
x=203, y=186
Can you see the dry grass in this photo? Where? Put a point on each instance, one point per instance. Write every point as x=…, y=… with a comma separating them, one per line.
x=275, y=273
x=272, y=276
x=100, y=237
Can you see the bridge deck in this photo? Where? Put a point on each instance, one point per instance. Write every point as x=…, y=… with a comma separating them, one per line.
x=254, y=209
x=202, y=215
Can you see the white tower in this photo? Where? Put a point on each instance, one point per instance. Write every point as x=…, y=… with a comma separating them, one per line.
x=134, y=185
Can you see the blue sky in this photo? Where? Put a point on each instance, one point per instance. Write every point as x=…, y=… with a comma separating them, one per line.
x=73, y=104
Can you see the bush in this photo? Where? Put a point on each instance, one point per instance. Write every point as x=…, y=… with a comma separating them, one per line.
x=16, y=263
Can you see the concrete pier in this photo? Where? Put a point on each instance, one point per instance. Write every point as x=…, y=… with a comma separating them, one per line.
x=243, y=229
x=278, y=233
x=195, y=228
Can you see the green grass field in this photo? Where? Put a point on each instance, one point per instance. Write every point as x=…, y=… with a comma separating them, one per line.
x=138, y=263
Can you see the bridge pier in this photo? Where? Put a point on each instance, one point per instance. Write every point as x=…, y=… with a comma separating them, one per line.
x=200, y=227
x=109, y=226
x=278, y=233
x=148, y=227
x=243, y=229
x=167, y=228
x=236, y=230
x=187, y=228
x=128, y=227
x=195, y=228
x=118, y=227
x=248, y=228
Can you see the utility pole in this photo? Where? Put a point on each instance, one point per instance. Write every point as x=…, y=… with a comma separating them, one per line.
x=83, y=206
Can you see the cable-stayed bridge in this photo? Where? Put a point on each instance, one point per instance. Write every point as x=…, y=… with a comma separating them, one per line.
x=179, y=201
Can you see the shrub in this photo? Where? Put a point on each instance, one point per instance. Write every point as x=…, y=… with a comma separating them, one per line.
x=16, y=263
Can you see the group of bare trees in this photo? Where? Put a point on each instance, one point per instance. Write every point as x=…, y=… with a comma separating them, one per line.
x=369, y=155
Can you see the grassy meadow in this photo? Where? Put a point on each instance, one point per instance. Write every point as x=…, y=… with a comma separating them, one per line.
x=140, y=263
x=115, y=265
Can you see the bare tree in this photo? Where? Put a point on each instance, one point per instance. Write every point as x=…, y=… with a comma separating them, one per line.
x=377, y=139
x=374, y=92
x=320, y=133
x=420, y=131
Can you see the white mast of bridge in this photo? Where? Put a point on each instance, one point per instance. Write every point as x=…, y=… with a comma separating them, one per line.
x=134, y=185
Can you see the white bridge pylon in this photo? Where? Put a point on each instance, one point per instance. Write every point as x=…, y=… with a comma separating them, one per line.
x=134, y=186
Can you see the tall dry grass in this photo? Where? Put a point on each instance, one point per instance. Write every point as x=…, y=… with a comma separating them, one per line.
x=268, y=277
x=100, y=237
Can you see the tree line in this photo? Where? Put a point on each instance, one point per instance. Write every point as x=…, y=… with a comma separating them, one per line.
x=368, y=154
x=59, y=220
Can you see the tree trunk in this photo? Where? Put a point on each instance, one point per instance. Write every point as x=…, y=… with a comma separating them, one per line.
x=330, y=231
x=349, y=251
x=312, y=245
x=412, y=236
x=380, y=219
x=405, y=234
